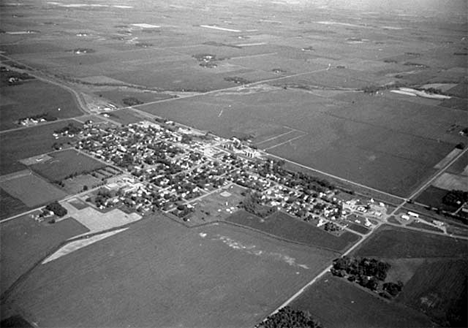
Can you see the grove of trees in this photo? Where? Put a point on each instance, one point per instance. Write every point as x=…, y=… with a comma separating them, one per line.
x=290, y=318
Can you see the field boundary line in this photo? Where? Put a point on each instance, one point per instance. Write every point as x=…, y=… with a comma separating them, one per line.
x=285, y=142
x=272, y=138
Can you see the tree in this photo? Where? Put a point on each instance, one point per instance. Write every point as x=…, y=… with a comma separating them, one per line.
x=290, y=318
x=58, y=209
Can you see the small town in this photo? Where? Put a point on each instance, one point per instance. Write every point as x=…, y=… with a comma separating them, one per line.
x=170, y=167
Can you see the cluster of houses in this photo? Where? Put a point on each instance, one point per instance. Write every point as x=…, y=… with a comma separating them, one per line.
x=167, y=168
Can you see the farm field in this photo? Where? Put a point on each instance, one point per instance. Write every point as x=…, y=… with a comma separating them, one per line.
x=286, y=227
x=337, y=303
x=17, y=145
x=438, y=289
x=10, y=205
x=25, y=241
x=239, y=275
x=393, y=242
x=32, y=190
x=32, y=98
x=64, y=163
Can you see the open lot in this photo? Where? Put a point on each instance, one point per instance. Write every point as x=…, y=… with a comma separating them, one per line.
x=25, y=143
x=24, y=242
x=286, y=227
x=217, y=206
x=160, y=273
x=337, y=303
x=32, y=190
x=33, y=98
x=62, y=164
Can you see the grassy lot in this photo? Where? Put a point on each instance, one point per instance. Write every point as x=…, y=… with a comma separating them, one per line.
x=65, y=163
x=392, y=242
x=338, y=303
x=32, y=190
x=25, y=143
x=216, y=206
x=10, y=205
x=358, y=228
x=284, y=226
x=436, y=288
x=126, y=116
x=24, y=242
x=35, y=97
x=424, y=226
x=160, y=274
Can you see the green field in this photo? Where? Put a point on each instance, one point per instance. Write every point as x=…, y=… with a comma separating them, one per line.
x=337, y=303
x=65, y=163
x=25, y=241
x=286, y=227
x=32, y=98
x=25, y=143
x=393, y=242
x=159, y=273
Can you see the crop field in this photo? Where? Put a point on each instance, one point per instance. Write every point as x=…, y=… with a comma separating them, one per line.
x=338, y=303
x=32, y=190
x=392, y=242
x=286, y=227
x=24, y=242
x=436, y=287
x=21, y=144
x=62, y=164
x=159, y=273
x=450, y=181
x=10, y=205
x=32, y=98
x=460, y=166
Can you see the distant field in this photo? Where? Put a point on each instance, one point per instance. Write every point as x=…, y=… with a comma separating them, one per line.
x=284, y=226
x=64, y=163
x=25, y=143
x=436, y=288
x=10, y=205
x=117, y=96
x=392, y=242
x=337, y=303
x=212, y=276
x=358, y=228
x=24, y=242
x=32, y=98
x=32, y=190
